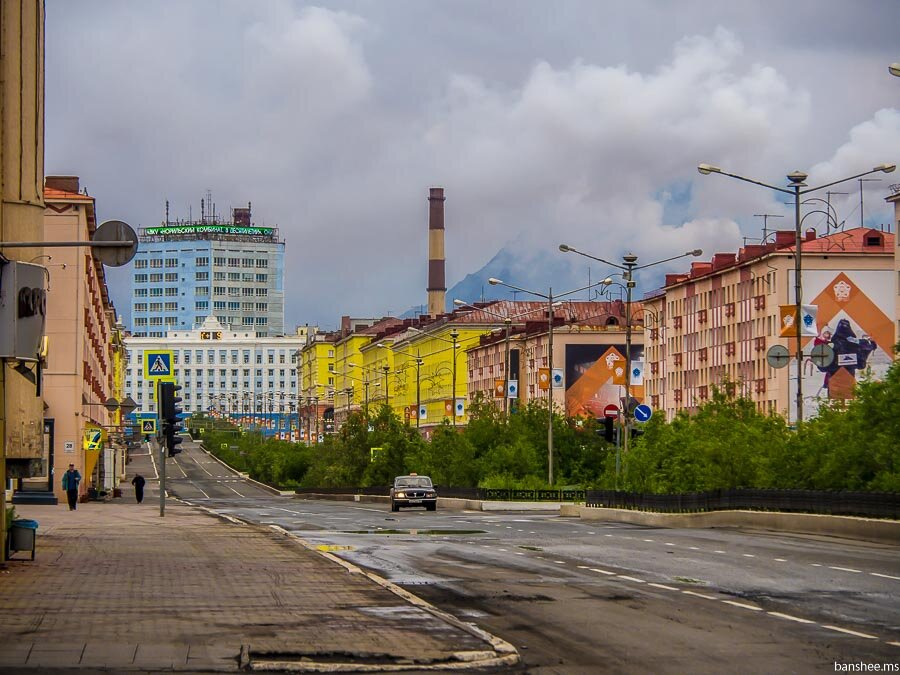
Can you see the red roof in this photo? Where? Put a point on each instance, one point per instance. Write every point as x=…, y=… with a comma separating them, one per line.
x=63, y=195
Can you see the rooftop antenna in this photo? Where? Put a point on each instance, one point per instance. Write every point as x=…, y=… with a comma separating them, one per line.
x=862, y=222
x=202, y=211
x=167, y=213
x=765, y=217
x=250, y=212
x=828, y=194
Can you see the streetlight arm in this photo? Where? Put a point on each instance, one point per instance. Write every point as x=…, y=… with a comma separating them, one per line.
x=568, y=249
x=886, y=168
x=705, y=169
x=696, y=252
x=497, y=282
x=578, y=290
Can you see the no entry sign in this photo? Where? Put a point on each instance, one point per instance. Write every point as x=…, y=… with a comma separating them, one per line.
x=612, y=410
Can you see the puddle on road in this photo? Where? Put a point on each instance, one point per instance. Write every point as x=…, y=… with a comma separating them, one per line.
x=414, y=532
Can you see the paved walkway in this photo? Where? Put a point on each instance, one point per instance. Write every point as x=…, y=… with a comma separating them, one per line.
x=115, y=587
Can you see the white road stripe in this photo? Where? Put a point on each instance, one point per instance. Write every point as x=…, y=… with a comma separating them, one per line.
x=815, y=564
x=637, y=581
x=894, y=644
x=742, y=605
x=851, y=632
x=700, y=595
x=845, y=569
x=607, y=535
x=668, y=543
x=886, y=576
x=748, y=555
x=650, y=540
x=607, y=572
x=663, y=586
x=718, y=551
x=780, y=560
x=693, y=548
x=790, y=618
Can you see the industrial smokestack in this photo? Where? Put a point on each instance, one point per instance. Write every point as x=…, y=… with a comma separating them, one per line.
x=437, y=288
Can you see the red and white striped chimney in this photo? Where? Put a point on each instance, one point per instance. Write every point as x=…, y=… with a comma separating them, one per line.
x=437, y=289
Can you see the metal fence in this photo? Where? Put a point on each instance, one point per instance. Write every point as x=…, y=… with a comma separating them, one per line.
x=831, y=502
x=483, y=494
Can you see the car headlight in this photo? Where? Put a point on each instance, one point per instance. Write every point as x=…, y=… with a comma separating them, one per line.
x=431, y=494
x=400, y=495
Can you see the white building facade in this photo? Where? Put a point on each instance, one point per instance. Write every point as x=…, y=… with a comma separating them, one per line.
x=232, y=373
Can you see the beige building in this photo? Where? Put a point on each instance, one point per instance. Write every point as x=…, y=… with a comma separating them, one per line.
x=85, y=354
x=21, y=215
x=719, y=321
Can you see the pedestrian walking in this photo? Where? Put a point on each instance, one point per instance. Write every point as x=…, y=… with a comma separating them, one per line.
x=70, y=481
x=138, y=482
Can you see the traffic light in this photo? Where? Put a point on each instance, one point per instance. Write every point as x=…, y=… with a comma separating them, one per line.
x=635, y=432
x=607, y=428
x=170, y=412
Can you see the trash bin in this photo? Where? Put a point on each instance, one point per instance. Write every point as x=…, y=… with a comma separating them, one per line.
x=22, y=536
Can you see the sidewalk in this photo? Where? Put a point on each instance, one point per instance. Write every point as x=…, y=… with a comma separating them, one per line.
x=114, y=586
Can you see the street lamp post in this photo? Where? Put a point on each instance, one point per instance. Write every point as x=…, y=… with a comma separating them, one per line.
x=629, y=266
x=797, y=180
x=454, y=336
x=549, y=298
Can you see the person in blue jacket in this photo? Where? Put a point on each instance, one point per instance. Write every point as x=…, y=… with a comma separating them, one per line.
x=70, y=481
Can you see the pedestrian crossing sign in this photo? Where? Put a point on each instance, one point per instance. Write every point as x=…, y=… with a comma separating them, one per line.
x=148, y=426
x=157, y=365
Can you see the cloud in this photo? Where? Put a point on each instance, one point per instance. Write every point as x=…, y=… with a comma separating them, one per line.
x=335, y=121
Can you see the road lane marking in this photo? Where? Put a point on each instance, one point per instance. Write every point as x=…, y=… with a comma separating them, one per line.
x=693, y=548
x=815, y=564
x=850, y=632
x=718, y=551
x=748, y=555
x=790, y=618
x=845, y=569
x=663, y=586
x=668, y=543
x=560, y=562
x=700, y=595
x=780, y=560
x=519, y=553
x=637, y=581
x=742, y=605
x=886, y=576
x=607, y=535
x=894, y=644
x=597, y=569
x=649, y=540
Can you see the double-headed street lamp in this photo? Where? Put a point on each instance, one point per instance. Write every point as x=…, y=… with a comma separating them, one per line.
x=418, y=363
x=549, y=297
x=507, y=321
x=797, y=180
x=454, y=340
x=366, y=383
x=629, y=266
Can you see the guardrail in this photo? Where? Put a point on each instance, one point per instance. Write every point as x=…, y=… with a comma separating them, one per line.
x=829, y=502
x=483, y=494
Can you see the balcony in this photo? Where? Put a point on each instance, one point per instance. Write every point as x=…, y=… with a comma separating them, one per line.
x=677, y=394
x=654, y=367
x=676, y=322
x=703, y=353
x=759, y=302
x=701, y=316
x=730, y=349
x=761, y=386
x=729, y=309
x=759, y=344
x=703, y=392
x=677, y=358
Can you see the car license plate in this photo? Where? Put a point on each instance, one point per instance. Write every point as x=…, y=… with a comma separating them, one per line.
x=415, y=501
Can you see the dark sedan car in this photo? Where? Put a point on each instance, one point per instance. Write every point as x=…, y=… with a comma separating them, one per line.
x=413, y=490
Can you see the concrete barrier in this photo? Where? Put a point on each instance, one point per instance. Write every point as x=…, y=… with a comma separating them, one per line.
x=865, y=529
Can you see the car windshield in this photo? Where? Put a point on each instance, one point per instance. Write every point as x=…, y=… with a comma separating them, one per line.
x=413, y=481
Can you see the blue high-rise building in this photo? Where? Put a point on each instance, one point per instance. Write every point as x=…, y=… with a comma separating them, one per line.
x=185, y=271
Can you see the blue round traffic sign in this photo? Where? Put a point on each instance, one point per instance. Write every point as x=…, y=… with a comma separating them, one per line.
x=642, y=413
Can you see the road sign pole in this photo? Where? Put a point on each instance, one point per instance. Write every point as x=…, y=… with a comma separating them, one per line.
x=162, y=459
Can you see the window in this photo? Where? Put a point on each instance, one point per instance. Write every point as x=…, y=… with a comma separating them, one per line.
x=247, y=277
x=201, y=276
x=234, y=306
x=218, y=290
x=140, y=321
x=171, y=306
x=156, y=278
x=140, y=307
x=262, y=321
x=247, y=292
x=261, y=292
x=234, y=276
x=247, y=262
x=156, y=292
x=262, y=278
x=247, y=321
x=262, y=262
x=171, y=320
x=201, y=290
x=234, y=262
x=156, y=321
x=140, y=278
x=246, y=356
x=171, y=262
x=201, y=306
x=156, y=263
x=218, y=276
x=140, y=264
x=172, y=277
x=219, y=262
x=140, y=292
x=201, y=262
x=172, y=292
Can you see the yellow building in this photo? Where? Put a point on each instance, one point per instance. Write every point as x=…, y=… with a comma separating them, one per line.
x=315, y=370
x=720, y=320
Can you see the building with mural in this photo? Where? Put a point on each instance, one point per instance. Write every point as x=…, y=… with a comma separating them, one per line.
x=188, y=270
x=721, y=320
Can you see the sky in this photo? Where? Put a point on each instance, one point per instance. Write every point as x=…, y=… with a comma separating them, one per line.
x=544, y=121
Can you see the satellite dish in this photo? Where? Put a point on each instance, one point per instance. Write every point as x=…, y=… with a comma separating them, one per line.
x=778, y=356
x=822, y=355
x=119, y=232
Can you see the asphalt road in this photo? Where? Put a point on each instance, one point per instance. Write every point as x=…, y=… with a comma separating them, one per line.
x=594, y=597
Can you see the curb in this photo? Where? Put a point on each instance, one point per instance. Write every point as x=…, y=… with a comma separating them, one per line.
x=245, y=476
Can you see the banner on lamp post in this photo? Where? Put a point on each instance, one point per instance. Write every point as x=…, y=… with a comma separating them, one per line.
x=808, y=320
x=544, y=378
